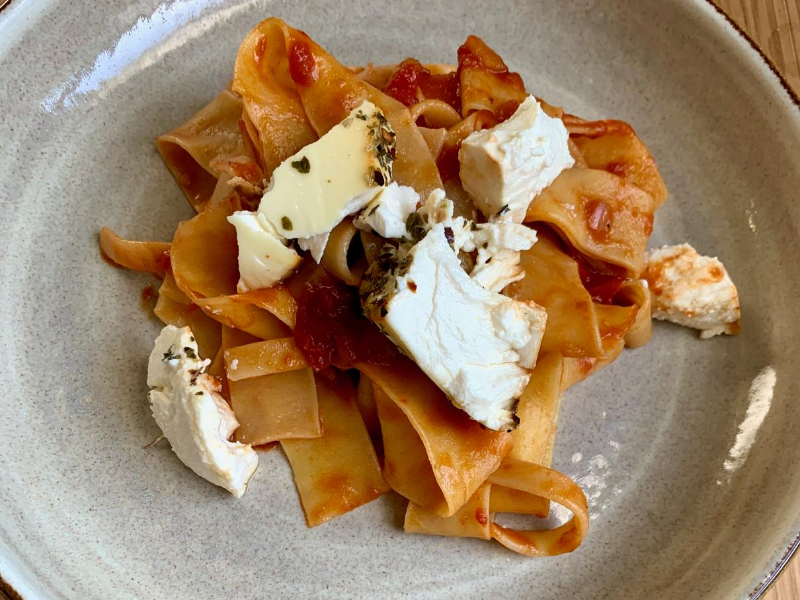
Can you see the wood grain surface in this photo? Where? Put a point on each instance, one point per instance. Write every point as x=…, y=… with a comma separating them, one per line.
x=775, y=26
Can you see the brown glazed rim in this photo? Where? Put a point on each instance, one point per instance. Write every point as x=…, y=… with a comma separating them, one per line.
x=794, y=547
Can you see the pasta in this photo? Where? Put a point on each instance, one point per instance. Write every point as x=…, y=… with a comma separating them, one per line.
x=299, y=363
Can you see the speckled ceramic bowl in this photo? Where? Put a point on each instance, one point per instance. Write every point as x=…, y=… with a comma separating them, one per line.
x=688, y=450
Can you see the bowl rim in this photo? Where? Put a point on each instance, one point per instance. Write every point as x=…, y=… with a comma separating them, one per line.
x=794, y=546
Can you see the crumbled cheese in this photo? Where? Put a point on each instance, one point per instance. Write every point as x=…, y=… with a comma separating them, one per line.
x=264, y=259
x=692, y=290
x=195, y=419
x=386, y=215
x=497, y=244
x=476, y=345
x=505, y=167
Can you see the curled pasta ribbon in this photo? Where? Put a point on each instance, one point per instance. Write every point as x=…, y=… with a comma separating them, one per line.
x=340, y=256
x=437, y=113
x=635, y=292
x=147, y=257
x=193, y=150
x=553, y=486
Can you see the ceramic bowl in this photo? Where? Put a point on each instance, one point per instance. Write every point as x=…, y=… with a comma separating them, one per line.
x=687, y=449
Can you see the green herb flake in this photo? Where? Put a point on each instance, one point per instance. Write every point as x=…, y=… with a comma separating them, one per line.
x=190, y=352
x=286, y=223
x=168, y=355
x=302, y=165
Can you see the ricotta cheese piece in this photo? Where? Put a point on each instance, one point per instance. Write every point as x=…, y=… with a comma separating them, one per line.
x=339, y=174
x=387, y=214
x=498, y=244
x=476, y=345
x=692, y=290
x=264, y=259
x=195, y=419
x=505, y=167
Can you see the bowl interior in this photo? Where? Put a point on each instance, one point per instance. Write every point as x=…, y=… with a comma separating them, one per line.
x=687, y=449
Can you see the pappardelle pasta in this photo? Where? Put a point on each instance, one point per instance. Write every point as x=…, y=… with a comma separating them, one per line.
x=395, y=273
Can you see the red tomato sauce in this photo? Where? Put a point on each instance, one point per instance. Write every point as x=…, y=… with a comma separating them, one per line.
x=302, y=65
x=331, y=330
x=412, y=83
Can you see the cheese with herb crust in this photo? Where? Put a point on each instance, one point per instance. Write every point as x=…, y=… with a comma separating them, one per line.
x=194, y=418
x=476, y=345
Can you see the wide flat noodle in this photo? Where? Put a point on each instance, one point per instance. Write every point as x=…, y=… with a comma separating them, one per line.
x=271, y=102
x=264, y=358
x=205, y=254
x=338, y=471
x=600, y=215
x=329, y=91
x=147, y=257
x=406, y=466
x=486, y=83
x=508, y=500
x=537, y=412
x=552, y=485
x=191, y=149
x=276, y=407
x=365, y=398
x=230, y=339
x=174, y=308
x=461, y=453
x=471, y=520
x=613, y=146
x=553, y=282
x=239, y=312
x=435, y=140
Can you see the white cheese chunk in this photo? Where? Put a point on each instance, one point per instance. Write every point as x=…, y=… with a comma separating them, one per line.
x=386, y=215
x=498, y=244
x=692, y=290
x=339, y=174
x=315, y=244
x=476, y=345
x=264, y=260
x=193, y=416
x=505, y=167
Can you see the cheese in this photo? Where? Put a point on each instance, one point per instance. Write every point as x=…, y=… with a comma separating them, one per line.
x=195, y=419
x=505, y=167
x=264, y=260
x=692, y=290
x=476, y=345
x=497, y=244
x=386, y=215
x=339, y=174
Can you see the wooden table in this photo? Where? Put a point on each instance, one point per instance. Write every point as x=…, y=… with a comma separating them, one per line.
x=775, y=26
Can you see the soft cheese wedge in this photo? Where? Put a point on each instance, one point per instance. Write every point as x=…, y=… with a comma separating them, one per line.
x=194, y=418
x=505, y=167
x=264, y=258
x=476, y=345
x=336, y=176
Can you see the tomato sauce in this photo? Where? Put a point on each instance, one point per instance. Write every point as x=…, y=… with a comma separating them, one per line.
x=302, y=65
x=411, y=83
x=331, y=330
x=602, y=287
